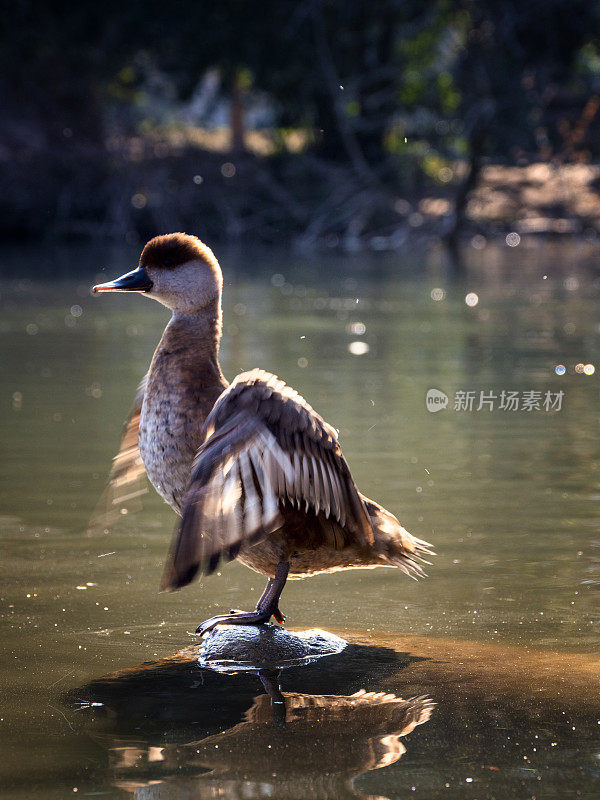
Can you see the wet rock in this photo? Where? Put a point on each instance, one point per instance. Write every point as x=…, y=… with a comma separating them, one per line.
x=247, y=647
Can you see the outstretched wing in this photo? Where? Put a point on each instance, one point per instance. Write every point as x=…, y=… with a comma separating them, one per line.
x=127, y=479
x=265, y=448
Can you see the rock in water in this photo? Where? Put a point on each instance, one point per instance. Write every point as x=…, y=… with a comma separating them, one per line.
x=231, y=648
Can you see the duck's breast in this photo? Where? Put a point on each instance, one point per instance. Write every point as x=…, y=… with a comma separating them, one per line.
x=169, y=436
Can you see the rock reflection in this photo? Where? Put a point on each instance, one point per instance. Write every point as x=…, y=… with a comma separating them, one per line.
x=217, y=736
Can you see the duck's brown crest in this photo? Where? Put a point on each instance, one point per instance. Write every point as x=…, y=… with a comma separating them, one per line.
x=174, y=249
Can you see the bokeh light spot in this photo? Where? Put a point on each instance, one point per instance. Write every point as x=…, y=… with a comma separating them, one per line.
x=571, y=284
x=228, y=169
x=357, y=328
x=358, y=348
x=139, y=200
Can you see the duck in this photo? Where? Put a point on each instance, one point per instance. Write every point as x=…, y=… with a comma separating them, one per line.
x=254, y=473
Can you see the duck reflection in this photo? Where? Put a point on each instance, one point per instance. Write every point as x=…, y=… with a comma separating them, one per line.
x=175, y=730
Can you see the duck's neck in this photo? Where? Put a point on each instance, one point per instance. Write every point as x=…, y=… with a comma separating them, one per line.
x=190, y=343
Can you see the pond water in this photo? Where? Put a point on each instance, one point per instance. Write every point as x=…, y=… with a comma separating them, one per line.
x=502, y=636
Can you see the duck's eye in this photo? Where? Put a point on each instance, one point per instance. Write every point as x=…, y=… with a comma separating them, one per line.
x=167, y=262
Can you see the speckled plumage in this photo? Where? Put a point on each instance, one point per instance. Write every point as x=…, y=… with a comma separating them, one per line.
x=182, y=385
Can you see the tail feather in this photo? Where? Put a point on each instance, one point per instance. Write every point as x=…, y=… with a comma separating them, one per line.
x=394, y=545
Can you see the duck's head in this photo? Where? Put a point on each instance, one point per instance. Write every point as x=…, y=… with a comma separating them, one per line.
x=178, y=270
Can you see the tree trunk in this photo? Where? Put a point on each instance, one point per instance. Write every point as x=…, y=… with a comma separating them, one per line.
x=482, y=117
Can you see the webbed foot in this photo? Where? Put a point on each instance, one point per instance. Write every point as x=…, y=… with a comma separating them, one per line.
x=236, y=618
x=267, y=606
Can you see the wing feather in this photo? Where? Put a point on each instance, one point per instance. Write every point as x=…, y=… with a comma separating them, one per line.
x=127, y=479
x=265, y=449
x=253, y=507
x=323, y=482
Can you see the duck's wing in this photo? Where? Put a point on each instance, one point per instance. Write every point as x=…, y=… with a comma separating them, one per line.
x=265, y=448
x=127, y=479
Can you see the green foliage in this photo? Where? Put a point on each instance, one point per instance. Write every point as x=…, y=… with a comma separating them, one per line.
x=456, y=78
x=449, y=95
x=391, y=57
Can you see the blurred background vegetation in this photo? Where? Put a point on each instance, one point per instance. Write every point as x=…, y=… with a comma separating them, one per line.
x=313, y=122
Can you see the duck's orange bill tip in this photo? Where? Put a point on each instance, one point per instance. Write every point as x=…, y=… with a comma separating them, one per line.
x=104, y=287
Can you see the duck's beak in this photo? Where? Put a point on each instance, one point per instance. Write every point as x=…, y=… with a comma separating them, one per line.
x=135, y=281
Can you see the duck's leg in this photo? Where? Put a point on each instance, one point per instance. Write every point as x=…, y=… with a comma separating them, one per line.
x=270, y=680
x=267, y=606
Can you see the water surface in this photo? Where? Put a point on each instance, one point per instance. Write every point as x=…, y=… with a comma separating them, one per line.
x=509, y=498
